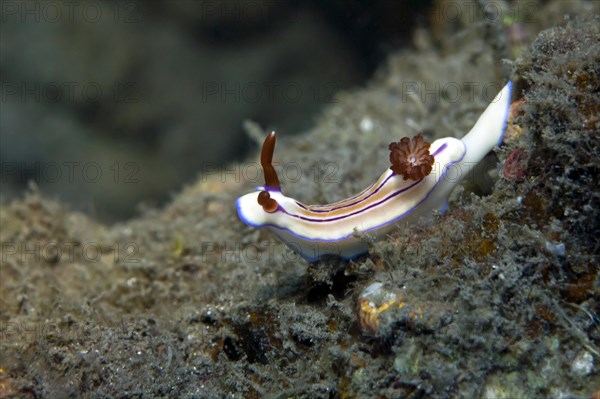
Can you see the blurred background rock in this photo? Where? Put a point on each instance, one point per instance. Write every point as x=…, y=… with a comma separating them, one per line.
x=109, y=104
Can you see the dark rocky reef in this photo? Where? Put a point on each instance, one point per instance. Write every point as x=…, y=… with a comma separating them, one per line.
x=498, y=298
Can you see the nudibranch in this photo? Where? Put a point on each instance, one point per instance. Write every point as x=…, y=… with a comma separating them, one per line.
x=419, y=180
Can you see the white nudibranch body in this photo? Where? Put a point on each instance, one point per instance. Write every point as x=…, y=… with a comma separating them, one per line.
x=420, y=179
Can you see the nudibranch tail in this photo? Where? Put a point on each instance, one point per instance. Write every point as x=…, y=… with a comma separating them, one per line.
x=488, y=131
x=418, y=181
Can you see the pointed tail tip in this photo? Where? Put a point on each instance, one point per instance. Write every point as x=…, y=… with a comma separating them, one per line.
x=488, y=131
x=506, y=95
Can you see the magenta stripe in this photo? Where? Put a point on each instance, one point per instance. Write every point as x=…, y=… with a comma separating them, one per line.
x=442, y=147
x=329, y=210
x=353, y=213
x=347, y=205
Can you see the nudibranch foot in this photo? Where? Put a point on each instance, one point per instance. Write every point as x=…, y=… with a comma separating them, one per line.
x=419, y=180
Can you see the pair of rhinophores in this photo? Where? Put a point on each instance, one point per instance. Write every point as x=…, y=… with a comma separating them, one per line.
x=405, y=191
